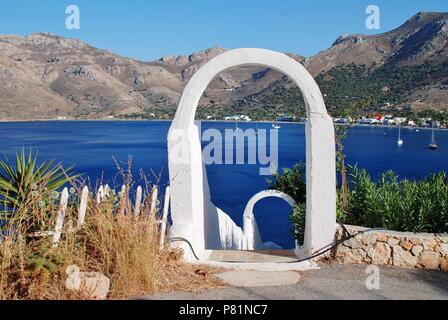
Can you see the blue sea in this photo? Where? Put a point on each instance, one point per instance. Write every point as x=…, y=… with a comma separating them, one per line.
x=90, y=147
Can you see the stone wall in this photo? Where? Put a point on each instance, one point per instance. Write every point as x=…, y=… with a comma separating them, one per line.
x=400, y=249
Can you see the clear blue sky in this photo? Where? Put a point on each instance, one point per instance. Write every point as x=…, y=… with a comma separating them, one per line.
x=149, y=29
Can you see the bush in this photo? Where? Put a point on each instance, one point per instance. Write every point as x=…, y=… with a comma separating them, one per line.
x=292, y=182
x=400, y=205
x=298, y=219
x=390, y=203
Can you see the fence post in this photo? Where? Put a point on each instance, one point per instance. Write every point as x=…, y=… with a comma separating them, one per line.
x=107, y=191
x=123, y=200
x=83, y=207
x=60, y=217
x=166, y=205
x=100, y=194
x=154, y=195
x=138, y=201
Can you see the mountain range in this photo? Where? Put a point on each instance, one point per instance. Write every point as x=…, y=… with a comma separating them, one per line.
x=47, y=76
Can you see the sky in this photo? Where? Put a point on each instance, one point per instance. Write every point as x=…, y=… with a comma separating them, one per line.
x=149, y=29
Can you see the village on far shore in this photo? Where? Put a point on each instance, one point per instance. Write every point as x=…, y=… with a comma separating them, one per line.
x=379, y=120
x=383, y=120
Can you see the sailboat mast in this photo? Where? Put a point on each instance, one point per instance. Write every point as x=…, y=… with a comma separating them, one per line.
x=433, y=140
x=399, y=141
x=433, y=145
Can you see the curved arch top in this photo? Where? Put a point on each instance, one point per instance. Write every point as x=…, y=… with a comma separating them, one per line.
x=312, y=95
x=266, y=194
x=250, y=228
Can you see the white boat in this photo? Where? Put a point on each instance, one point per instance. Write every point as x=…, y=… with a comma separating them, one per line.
x=400, y=141
x=433, y=144
x=275, y=125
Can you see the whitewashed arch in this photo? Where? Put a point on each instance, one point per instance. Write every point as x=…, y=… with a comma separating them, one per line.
x=194, y=216
x=250, y=227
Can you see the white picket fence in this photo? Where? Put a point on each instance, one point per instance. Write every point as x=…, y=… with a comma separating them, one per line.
x=102, y=194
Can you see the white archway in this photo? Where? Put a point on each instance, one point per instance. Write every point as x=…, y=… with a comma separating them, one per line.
x=250, y=227
x=194, y=216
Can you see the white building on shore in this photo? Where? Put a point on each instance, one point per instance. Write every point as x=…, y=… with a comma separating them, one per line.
x=238, y=118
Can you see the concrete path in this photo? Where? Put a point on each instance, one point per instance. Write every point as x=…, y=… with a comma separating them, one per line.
x=336, y=282
x=260, y=260
x=250, y=278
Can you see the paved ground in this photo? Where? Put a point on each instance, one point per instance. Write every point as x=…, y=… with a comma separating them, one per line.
x=260, y=256
x=337, y=282
x=250, y=278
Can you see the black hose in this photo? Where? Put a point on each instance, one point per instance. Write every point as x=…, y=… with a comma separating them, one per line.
x=178, y=239
x=347, y=236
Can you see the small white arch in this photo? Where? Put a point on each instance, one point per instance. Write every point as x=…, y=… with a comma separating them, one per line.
x=193, y=214
x=250, y=227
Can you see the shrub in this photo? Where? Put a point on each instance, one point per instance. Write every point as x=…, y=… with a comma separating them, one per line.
x=298, y=219
x=291, y=182
x=390, y=203
x=401, y=205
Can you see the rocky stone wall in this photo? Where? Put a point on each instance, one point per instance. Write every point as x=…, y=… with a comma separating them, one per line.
x=390, y=248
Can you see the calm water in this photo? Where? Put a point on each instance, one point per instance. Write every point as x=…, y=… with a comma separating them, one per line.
x=90, y=146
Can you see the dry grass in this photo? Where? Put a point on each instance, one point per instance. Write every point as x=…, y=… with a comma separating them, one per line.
x=122, y=246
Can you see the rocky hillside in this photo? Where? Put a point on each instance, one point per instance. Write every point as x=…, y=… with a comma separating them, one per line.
x=423, y=37
x=44, y=75
x=47, y=76
x=403, y=67
x=401, y=70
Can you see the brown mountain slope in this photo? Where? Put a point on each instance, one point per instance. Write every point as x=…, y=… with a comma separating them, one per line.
x=45, y=76
x=421, y=38
x=406, y=68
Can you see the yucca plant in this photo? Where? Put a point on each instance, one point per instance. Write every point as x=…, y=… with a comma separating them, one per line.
x=26, y=185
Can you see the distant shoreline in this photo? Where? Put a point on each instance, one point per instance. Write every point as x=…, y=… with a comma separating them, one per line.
x=218, y=121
